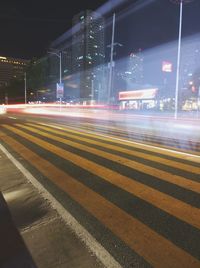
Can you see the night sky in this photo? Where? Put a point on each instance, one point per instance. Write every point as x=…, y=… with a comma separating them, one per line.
x=28, y=27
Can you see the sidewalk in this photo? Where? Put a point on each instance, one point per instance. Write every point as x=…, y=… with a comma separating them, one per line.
x=50, y=242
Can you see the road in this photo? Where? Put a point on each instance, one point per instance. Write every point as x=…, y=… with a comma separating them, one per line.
x=138, y=198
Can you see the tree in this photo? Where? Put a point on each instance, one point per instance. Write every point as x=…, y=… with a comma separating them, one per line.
x=37, y=73
x=14, y=91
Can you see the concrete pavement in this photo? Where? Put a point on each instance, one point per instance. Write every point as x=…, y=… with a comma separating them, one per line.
x=51, y=243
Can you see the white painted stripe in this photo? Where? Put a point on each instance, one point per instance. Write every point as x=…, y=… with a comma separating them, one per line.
x=11, y=117
x=195, y=157
x=91, y=243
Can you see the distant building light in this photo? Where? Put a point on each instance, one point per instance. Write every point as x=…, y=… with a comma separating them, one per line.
x=167, y=66
x=81, y=57
x=82, y=17
x=3, y=58
x=91, y=37
x=190, y=74
x=95, y=46
x=138, y=94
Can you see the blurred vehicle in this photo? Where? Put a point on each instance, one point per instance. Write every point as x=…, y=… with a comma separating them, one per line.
x=2, y=109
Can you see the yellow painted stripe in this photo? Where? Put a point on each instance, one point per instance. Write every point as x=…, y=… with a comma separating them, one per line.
x=185, y=167
x=121, y=129
x=158, y=251
x=149, y=133
x=163, y=201
x=163, y=175
x=134, y=145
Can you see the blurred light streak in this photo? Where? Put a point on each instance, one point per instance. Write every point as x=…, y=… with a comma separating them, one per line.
x=108, y=7
x=188, y=156
x=2, y=109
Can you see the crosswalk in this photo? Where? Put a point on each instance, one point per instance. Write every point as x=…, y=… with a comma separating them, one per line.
x=150, y=135
x=140, y=202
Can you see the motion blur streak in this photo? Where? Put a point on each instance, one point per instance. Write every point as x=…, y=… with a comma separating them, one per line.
x=178, y=154
x=182, y=134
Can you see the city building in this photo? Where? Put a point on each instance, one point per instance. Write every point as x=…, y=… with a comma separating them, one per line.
x=130, y=72
x=54, y=63
x=67, y=61
x=83, y=57
x=190, y=74
x=11, y=68
x=134, y=71
x=88, y=54
x=190, y=65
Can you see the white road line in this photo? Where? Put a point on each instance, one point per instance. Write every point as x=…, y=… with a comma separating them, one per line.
x=92, y=244
x=195, y=157
x=11, y=117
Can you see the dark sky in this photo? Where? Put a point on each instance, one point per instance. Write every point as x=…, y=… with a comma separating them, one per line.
x=156, y=23
x=28, y=27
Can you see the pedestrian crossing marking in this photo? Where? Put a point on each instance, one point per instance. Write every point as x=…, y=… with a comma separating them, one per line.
x=157, y=250
x=163, y=175
x=163, y=201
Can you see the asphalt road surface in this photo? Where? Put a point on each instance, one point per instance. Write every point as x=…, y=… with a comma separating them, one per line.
x=135, y=191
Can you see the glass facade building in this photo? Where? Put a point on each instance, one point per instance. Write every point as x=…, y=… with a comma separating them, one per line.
x=88, y=54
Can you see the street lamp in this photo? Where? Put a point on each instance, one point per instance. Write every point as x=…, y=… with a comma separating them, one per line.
x=25, y=91
x=179, y=50
x=112, y=63
x=59, y=55
x=111, y=59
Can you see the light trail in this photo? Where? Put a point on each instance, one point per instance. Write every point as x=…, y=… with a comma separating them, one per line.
x=188, y=156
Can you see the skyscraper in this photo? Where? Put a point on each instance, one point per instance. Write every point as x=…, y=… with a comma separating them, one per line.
x=88, y=53
x=135, y=67
x=190, y=64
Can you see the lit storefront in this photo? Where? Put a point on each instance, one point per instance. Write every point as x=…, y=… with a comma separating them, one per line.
x=144, y=99
x=192, y=104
